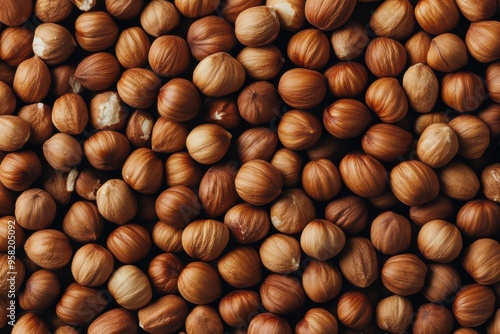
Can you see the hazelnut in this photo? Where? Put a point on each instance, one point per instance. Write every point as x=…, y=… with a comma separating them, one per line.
x=321, y=281
x=163, y=272
x=290, y=13
x=106, y=150
x=240, y=267
x=239, y=307
x=440, y=208
x=417, y=47
x=394, y=314
x=64, y=81
x=247, y=223
x=481, y=261
x=15, y=45
x=261, y=63
x=439, y=241
x=32, y=80
x=473, y=136
x=116, y=202
x=80, y=305
x=132, y=47
x=139, y=128
x=404, y=274
x=328, y=15
x=7, y=267
x=218, y=74
x=205, y=239
x=159, y=17
x=385, y=57
x=394, y=19
x=424, y=120
x=302, y=88
x=39, y=118
x=195, y=9
x=458, y=181
x=49, y=249
x=347, y=79
x=309, y=48
x=5, y=228
x=30, y=322
x=289, y=163
x=390, y=233
x=292, y=211
x=491, y=182
x=258, y=182
x=222, y=111
x=107, y=111
x=481, y=41
x=182, y=170
x=350, y=213
x=208, y=143
x=259, y=102
x=82, y=222
x=479, y=218
x=53, y=43
x=462, y=91
x=167, y=314
x=268, y=323
x=199, y=283
x=363, y=175
x=354, y=310
x=299, y=130
x=138, y=87
x=70, y=114
x=179, y=100
x=124, y=9
x=346, y=118
x=14, y=133
x=95, y=31
x=129, y=243
x=143, y=171
x=256, y=143
x=168, y=136
x=41, y=291
x=88, y=182
x=7, y=95
x=117, y=320
x=437, y=145
x=18, y=170
x=217, y=192
x=473, y=305
x=35, y=209
x=169, y=55
x=84, y=5
x=167, y=238
x=493, y=81
x=63, y=152
x=387, y=99
x=317, y=320
x=230, y=9
x=203, y=319
x=437, y=17
x=477, y=10
x=281, y=294
x=91, y=265
x=433, y=318
x=130, y=287
x=350, y=41
x=280, y=253
x=257, y=26
x=14, y=13
x=322, y=239
x=60, y=185
x=358, y=262
x=99, y=71
x=52, y=11
x=441, y=283
x=447, y=53
x=421, y=87
x=177, y=206
x=414, y=183
x=386, y=142
x=209, y=35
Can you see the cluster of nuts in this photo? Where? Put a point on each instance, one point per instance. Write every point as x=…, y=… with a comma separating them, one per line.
x=250, y=166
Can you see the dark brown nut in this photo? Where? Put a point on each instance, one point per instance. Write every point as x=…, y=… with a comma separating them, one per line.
x=259, y=102
x=358, y=262
x=390, y=233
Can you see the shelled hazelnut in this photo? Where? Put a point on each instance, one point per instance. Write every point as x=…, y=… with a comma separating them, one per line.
x=417, y=47
x=247, y=223
x=473, y=305
x=390, y=233
x=268, y=323
x=241, y=267
x=129, y=243
x=491, y=183
x=205, y=239
x=321, y=281
x=291, y=13
x=258, y=182
x=354, y=310
x=199, y=283
x=385, y=57
x=132, y=47
x=387, y=99
x=15, y=133
x=394, y=19
x=261, y=63
x=421, y=87
x=394, y=314
x=204, y=319
x=256, y=143
x=442, y=282
x=259, y=102
x=458, y=181
x=404, y=274
x=82, y=222
x=41, y=291
x=322, y=239
x=92, y=265
x=292, y=211
x=117, y=319
x=328, y=15
x=480, y=260
x=280, y=253
x=49, y=249
x=130, y=287
x=15, y=46
x=349, y=41
x=281, y=294
x=302, y=88
x=166, y=314
x=433, y=318
x=358, y=262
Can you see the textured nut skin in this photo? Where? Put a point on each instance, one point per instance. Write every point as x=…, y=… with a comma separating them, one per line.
x=473, y=305
x=417, y=47
x=258, y=182
x=117, y=319
x=268, y=323
x=387, y=99
x=490, y=182
x=386, y=142
x=32, y=80
x=238, y=306
x=394, y=314
x=439, y=241
x=302, y=88
x=463, y=91
x=480, y=260
x=247, y=223
x=354, y=310
x=414, y=183
x=481, y=41
x=345, y=125
x=328, y=15
x=92, y=265
x=322, y=239
x=390, y=233
x=205, y=239
x=437, y=145
x=354, y=169
x=80, y=305
x=49, y=249
x=385, y=57
x=309, y=48
x=281, y=294
x=358, y=262
x=458, y=181
x=349, y=41
x=257, y=26
x=421, y=87
x=41, y=291
x=95, y=31
x=53, y=43
x=442, y=282
x=97, y=72
x=292, y=211
x=130, y=287
x=199, y=283
x=280, y=253
x=165, y=315
x=433, y=318
x=217, y=191
x=129, y=243
x=346, y=79
x=437, y=17
x=322, y=281
x=299, y=130
x=394, y=19
x=350, y=213
x=404, y=274
x=241, y=267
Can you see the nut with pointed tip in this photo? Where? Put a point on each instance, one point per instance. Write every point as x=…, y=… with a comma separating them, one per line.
x=328, y=15
x=169, y=55
x=347, y=79
x=282, y=294
x=32, y=80
x=289, y=164
x=394, y=314
x=437, y=17
x=82, y=222
x=16, y=45
x=421, y=87
x=354, y=310
x=321, y=280
x=256, y=143
x=143, y=171
x=309, y=48
x=280, y=253
x=259, y=102
x=473, y=305
x=363, y=175
x=437, y=145
x=49, y=249
x=129, y=243
x=302, y=88
x=18, y=170
x=238, y=306
x=130, y=287
x=53, y=43
x=390, y=233
x=393, y=19
x=70, y=114
x=35, y=209
x=138, y=87
x=199, y=283
x=387, y=99
x=247, y=223
x=417, y=47
x=404, y=274
x=95, y=31
x=163, y=272
x=92, y=265
x=292, y=211
x=433, y=318
x=117, y=319
x=14, y=133
x=258, y=182
x=346, y=118
x=458, y=181
x=257, y=26
x=132, y=47
x=414, y=183
x=39, y=118
x=116, y=201
x=165, y=315
x=463, y=91
x=481, y=261
x=209, y=35
x=159, y=17
x=261, y=63
x=241, y=267
x=299, y=130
